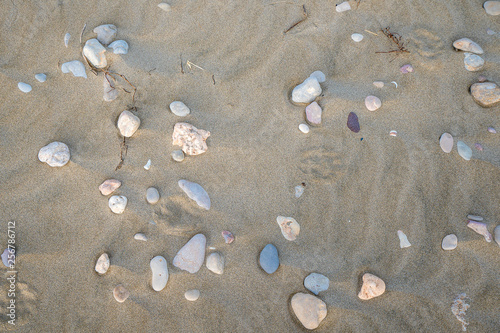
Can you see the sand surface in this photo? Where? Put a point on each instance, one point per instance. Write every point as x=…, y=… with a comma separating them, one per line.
x=358, y=192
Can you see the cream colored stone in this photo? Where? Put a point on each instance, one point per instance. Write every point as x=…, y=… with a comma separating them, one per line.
x=102, y=264
x=309, y=309
x=128, y=123
x=191, y=139
x=373, y=286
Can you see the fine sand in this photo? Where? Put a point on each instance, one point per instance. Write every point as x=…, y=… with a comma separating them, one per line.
x=358, y=192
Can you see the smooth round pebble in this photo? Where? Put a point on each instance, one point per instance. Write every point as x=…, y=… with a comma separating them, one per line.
x=215, y=263
x=309, y=309
x=55, y=154
x=372, y=103
x=446, y=142
x=449, y=242
x=152, y=195
x=357, y=37
x=41, y=77
x=492, y=7
x=159, y=273
x=165, y=6
x=102, y=264
x=464, y=151
x=178, y=155
x=269, y=260
x=120, y=293
x=128, y=123
x=179, y=109
x=378, y=84
x=117, y=204
x=140, y=237
x=304, y=128
x=316, y=283
x=192, y=295
x=24, y=87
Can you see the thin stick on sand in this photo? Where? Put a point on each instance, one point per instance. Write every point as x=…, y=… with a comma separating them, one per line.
x=81, y=34
x=189, y=64
x=396, y=39
x=304, y=13
x=123, y=153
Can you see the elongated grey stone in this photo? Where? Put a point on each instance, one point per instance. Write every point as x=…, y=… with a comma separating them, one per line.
x=195, y=192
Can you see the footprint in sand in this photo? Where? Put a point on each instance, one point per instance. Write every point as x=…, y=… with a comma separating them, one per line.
x=425, y=43
x=323, y=164
x=26, y=301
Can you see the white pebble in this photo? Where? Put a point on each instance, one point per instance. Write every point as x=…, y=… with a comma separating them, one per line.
x=178, y=155
x=147, y=166
x=304, y=128
x=24, y=87
x=55, y=154
x=159, y=270
x=344, y=6
x=372, y=103
x=319, y=75
x=75, y=67
x=307, y=91
x=94, y=52
x=140, y=237
x=128, y=123
x=192, y=295
x=299, y=190
x=449, y=242
x=215, y=263
x=102, y=264
x=66, y=39
x=403, y=240
x=165, y=6
x=117, y=203
x=179, y=109
x=378, y=84
x=41, y=77
x=357, y=37
x=119, y=47
x=105, y=33
x=152, y=195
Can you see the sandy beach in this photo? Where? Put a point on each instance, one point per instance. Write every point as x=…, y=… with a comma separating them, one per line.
x=234, y=66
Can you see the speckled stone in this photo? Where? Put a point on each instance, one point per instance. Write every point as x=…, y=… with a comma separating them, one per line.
x=486, y=94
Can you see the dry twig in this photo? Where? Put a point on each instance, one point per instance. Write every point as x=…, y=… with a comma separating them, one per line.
x=304, y=13
x=123, y=153
x=81, y=34
x=396, y=39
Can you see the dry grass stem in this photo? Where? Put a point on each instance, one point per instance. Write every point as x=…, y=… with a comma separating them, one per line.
x=304, y=13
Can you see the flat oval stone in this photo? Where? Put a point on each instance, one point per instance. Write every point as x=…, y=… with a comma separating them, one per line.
x=109, y=186
x=464, y=151
x=179, y=109
x=450, y=242
x=307, y=91
x=215, y=263
x=117, y=204
x=313, y=113
x=475, y=218
x=467, y=45
x=473, y=62
x=192, y=295
x=55, y=154
x=310, y=310
x=165, y=6
x=357, y=37
x=372, y=103
x=178, y=155
x=304, y=128
x=159, y=273
x=269, y=260
x=152, y=195
x=406, y=69
x=102, y=264
x=353, y=123
x=140, y=237
x=195, y=192
x=41, y=77
x=128, y=123
x=24, y=87
x=486, y=94
x=120, y=293
x=496, y=232
x=316, y=283
x=446, y=142
x=191, y=256
x=492, y=7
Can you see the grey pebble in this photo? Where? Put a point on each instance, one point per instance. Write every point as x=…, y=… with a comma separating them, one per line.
x=152, y=195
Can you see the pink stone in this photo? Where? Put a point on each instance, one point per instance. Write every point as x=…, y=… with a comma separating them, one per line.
x=372, y=103
x=478, y=146
x=109, y=186
x=228, y=236
x=406, y=69
x=313, y=113
x=446, y=142
x=481, y=228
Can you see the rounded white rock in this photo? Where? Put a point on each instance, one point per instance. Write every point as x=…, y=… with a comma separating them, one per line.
x=372, y=103
x=215, y=263
x=41, y=77
x=128, y=123
x=102, y=264
x=165, y=6
x=378, y=84
x=119, y=47
x=159, y=272
x=178, y=155
x=152, y=195
x=492, y=7
x=117, y=203
x=473, y=62
x=179, y=109
x=319, y=75
x=55, y=154
x=75, y=67
x=140, y=237
x=304, y=128
x=307, y=91
x=24, y=87
x=94, y=52
x=192, y=295
x=105, y=33
x=344, y=6
x=467, y=45
x=357, y=37
x=446, y=142
x=449, y=242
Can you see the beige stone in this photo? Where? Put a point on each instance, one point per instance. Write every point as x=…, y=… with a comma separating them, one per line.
x=373, y=286
x=109, y=186
x=121, y=293
x=309, y=309
x=191, y=139
x=486, y=94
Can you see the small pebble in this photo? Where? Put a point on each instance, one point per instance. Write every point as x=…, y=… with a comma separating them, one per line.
x=486, y=94
x=102, y=264
x=319, y=75
x=94, y=52
x=492, y=7
x=215, y=263
x=147, y=166
x=446, y=142
x=5, y=257
x=406, y=69
x=316, y=283
x=178, y=155
x=353, y=122
x=299, y=190
x=159, y=273
x=307, y=91
x=372, y=103
x=140, y=237
x=481, y=78
x=478, y=146
x=496, y=231
x=449, y=242
x=473, y=62
x=373, y=286
x=304, y=128
x=378, y=84
x=24, y=87
x=475, y=218
x=109, y=186
x=490, y=32
x=357, y=37
x=228, y=236
x=467, y=45
x=120, y=293
x=313, y=113
x=464, y=151
x=105, y=33
x=117, y=204
x=165, y=6
x=343, y=7
x=179, y=109
x=403, y=240
x=269, y=260
x=192, y=295
x=393, y=133
x=41, y=77
x=55, y=154
x=67, y=36
x=152, y=195
x=481, y=228
x=128, y=123
x=492, y=130
x=310, y=310
x=191, y=256
x=119, y=47
x=75, y=67
x=289, y=227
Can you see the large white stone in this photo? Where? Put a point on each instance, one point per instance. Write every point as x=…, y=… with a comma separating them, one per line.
x=117, y=203
x=75, y=67
x=55, y=154
x=307, y=91
x=179, y=109
x=159, y=270
x=191, y=139
x=309, y=309
x=105, y=33
x=94, y=52
x=195, y=192
x=128, y=123
x=191, y=256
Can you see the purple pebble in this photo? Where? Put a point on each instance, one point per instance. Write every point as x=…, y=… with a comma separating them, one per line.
x=353, y=123
x=406, y=69
x=478, y=146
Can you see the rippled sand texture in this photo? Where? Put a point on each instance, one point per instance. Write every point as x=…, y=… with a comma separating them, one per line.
x=358, y=192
